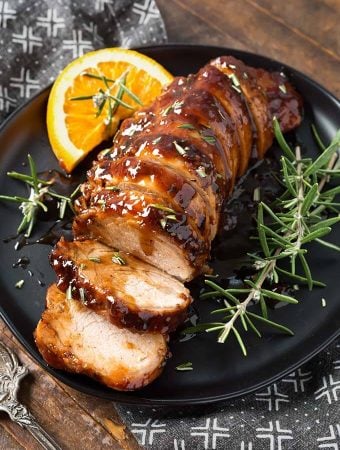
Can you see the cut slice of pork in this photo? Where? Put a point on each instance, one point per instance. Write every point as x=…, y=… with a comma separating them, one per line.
x=71, y=337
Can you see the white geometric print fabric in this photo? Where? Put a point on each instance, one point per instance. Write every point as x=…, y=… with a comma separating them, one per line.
x=39, y=37
x=300, y=412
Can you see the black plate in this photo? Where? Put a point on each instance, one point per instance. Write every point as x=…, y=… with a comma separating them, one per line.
x=220, y=371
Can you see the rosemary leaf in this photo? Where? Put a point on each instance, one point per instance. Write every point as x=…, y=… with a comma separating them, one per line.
x=185, y=367
x=282, y=141
x=276, y=325
x=328, y=244
x=130, y=93
x=323, y=159
x=261, y=232
x=222, y=310
x=317, y=138
x=187, y=126
x=14, y=199
x=279, y=297
x=95, y=259
x=240, y=341
x=315, y=234
x=263, y=306
x=121, y=102
x=309, y=199
x=200, y=327
x=286, y=175
x=179, y=148
x=27, y=178
x=252, y=326
x=118, y=259
x=299, y=278
x=331, y=192
x=325, y=223
x=162, y=208
x=307, y=271
x=34, y=175
x=275, y=216
x=82, y=97
x=209, y=139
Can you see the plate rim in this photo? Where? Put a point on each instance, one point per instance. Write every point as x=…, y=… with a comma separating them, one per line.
x=122, y=396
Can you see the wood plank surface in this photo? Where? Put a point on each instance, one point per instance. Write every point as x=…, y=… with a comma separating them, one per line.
x=301, y=33
x=61, y=410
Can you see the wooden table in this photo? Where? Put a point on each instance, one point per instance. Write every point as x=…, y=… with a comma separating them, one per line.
x=301, y=33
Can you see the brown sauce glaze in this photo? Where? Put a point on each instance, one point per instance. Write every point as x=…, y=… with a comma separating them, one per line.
x=213, y=80
x=255, y=97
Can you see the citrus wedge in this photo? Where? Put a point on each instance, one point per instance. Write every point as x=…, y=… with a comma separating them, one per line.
x=93, y=94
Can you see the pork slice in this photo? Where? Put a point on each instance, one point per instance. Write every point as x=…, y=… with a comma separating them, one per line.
x=74, y=338
x=151, y=177
x=144, y=225
x=218, y=84
x=135, y=294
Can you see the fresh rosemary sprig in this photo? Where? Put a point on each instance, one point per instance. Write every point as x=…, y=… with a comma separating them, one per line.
x=305, y=212
x=113, y=101
x=39, y=190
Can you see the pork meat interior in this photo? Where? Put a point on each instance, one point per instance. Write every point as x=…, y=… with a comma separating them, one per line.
x=74, y=338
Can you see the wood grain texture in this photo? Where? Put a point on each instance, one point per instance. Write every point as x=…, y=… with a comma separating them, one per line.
x=301, y=33
x=61, y=411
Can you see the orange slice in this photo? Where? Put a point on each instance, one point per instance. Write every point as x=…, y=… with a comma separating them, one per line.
x=78, y=118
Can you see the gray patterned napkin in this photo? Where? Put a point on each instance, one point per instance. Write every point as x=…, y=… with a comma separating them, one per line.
x=38, y=38
x=302, y=411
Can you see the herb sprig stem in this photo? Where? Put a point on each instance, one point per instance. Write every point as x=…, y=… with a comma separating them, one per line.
x=39, y=189
x=295, y=221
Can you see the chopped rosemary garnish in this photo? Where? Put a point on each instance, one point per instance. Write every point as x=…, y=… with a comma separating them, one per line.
x=209, y=139
x=180, y=149
x=39, y=191
x=95, y=259
x=301, y=215
x=257, y=194
x=166, y=111
x=82, y=266
x=155, y=141
x=19, y=284
x=112, y=188
x=164, y=220
x=106, y=97
x=201, y=172
x=175, y=105
x=234, y=79
x=185, y=367
x=118, y=259
x=162, y=208
x=69, y=292
x=235, y=83
x=187, y=126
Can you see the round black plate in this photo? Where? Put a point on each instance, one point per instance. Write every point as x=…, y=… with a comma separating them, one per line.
x=220, y=371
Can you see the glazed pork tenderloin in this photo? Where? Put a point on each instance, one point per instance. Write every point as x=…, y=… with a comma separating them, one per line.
x=157, y=194
x=130, y=292
x=146, y=218
x=74, y=338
